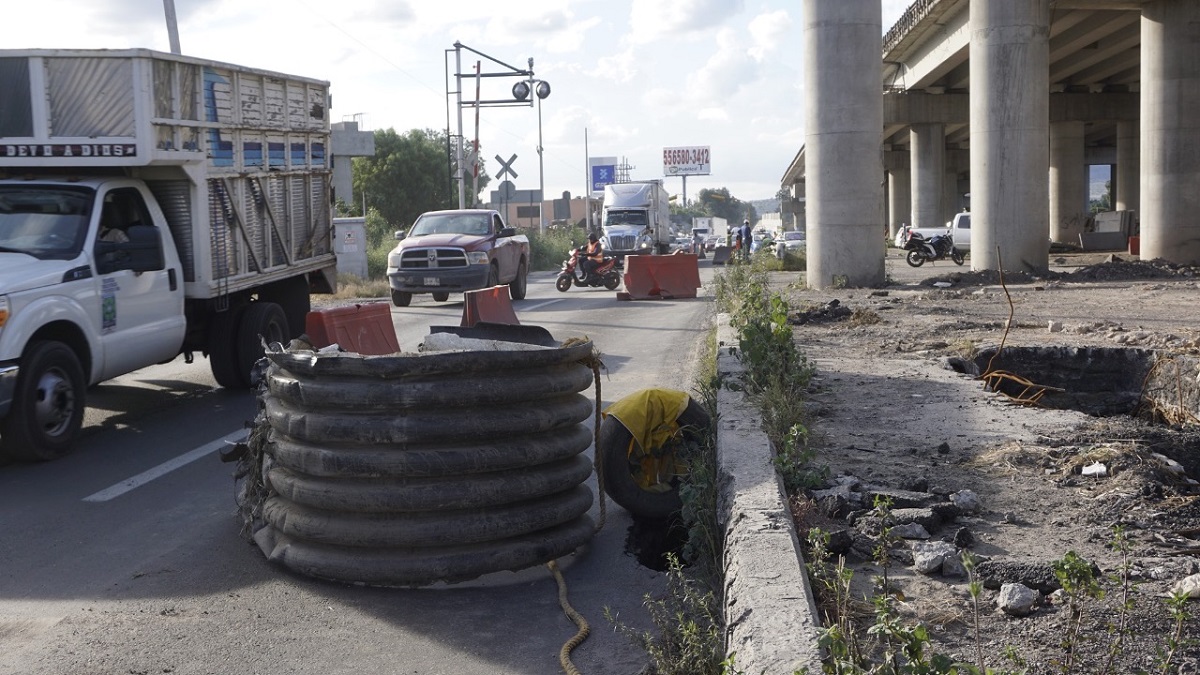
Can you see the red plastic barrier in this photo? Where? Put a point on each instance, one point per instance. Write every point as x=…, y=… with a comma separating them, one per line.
x=492, y=305
x=363, y=329
x=1135, y=246
x=661, y=276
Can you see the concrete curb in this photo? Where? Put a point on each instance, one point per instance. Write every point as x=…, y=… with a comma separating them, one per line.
x=770, y=612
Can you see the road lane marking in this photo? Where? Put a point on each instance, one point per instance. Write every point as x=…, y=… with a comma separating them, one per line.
x=540, y=305
x=164, y=468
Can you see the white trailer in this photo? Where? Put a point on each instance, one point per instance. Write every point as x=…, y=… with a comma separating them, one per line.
x=151, y=205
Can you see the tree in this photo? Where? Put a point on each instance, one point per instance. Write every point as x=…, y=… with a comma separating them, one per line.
x=407, y=176
x=724, y=205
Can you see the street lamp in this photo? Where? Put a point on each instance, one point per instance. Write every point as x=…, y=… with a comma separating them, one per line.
x=520, y=91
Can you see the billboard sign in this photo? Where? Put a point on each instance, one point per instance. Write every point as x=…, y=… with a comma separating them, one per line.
x=603, y=172
x=692, y=160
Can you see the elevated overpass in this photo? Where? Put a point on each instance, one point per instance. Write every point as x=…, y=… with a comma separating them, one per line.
x=1009, y=102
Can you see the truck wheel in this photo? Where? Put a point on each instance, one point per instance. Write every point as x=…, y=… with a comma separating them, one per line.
x=222, y=349
x=623, y=477
x=259, y=321
x=441, y=296
x=493, y=276
x=47, y=407
x=519, y=286
x=292, y=295
x=401, y=299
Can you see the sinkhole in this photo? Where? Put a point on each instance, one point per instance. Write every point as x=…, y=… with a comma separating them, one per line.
x=650, y=540
x=1098, y=381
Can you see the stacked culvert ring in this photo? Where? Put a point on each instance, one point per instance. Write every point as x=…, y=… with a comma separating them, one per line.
x=408, y=470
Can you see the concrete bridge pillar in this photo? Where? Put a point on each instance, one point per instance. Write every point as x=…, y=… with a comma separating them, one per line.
x=928, y=151
x=1068, y=182
x=1170, y=166
x=843, y=119
x=1126, y=183
x=899, y=200
x=1010, y=113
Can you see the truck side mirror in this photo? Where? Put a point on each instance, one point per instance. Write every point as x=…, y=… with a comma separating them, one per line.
x=508, y=232
x=399, y=234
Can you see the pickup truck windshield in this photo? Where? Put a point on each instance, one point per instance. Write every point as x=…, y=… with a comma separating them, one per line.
x=453, y=223
x=44, y=222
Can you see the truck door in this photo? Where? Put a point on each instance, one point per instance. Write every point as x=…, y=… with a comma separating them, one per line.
x=506, y=251
x=139, y=307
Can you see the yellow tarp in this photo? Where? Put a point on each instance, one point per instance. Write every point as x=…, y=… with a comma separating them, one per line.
x=649, y=415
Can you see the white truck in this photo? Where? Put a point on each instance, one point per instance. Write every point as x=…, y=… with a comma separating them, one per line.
x=151, y=205
x=636, y=219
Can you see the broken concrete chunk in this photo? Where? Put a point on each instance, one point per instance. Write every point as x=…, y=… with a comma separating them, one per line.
x=1096, y=469
x=966, y=500
x=952, y=566
x=929, y=556
x=910, y=531
x=1189, y=586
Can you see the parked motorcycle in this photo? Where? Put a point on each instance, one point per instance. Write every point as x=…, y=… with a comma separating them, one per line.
x=939, y=247
x=572, y=273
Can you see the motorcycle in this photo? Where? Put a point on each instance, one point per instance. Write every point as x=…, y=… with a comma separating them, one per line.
x=572, y=273
x=939, y=247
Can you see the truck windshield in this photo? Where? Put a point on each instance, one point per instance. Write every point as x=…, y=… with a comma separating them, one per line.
x=43, y=221
x=632, y=218
x=453, y=223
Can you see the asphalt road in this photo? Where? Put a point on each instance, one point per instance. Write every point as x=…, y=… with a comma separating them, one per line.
x=124, y=557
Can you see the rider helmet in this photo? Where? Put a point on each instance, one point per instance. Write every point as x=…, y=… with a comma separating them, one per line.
x=592, y=237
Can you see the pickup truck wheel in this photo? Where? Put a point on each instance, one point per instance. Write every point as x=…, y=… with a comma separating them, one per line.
x=401, y=299
x=222, y=349
x=517, y=288
x=47, y=408
x=260, y=321
x=493, y=276
x=441, y=296
x=624, y=478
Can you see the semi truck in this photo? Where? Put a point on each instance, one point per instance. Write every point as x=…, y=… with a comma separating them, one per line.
x=151, y=205
x=636, y=219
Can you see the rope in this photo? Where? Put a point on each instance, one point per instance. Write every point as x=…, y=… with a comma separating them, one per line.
x=564, y=654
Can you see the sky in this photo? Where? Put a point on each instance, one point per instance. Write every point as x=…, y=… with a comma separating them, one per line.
x=627, y=77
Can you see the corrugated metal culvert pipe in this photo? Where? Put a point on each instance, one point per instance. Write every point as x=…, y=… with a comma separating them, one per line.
x=410, y=469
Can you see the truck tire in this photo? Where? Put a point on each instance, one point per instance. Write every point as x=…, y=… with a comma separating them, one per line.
x=493, y=276
x=517, y=288
x=618, y=469
x=259, y=321
x=293, y=296
x=48, y=403
x=441, y=296
x=222, y=348
x=401, y=299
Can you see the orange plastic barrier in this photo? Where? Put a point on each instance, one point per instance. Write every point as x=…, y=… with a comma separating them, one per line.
x=491, y=305
x=363, y=329
x=1135, y=246
x=661, y=276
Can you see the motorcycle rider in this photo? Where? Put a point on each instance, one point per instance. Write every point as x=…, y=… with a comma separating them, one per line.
x=593, y=256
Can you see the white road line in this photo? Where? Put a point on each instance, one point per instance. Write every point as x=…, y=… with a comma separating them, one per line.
x=540, y=305
x=164, y=468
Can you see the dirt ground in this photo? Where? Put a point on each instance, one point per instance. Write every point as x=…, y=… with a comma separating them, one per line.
x=890, y=415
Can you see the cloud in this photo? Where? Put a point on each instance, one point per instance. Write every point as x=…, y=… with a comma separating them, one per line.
x=729, y=70
x=767, y=32
x=651, y=19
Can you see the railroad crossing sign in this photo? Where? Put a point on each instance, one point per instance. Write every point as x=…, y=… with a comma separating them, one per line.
x=506, y=167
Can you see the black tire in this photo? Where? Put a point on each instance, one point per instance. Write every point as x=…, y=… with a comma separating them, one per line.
x=293, y=296
x=618, y=469
x=259, y=321
x=612, y=280
x=493, y=276
x=48, y=403
x=517, y=288
x=441, y=296
x=222, y=349
x=957, y=257
x=915, y=258
x=563, y=283
x=401, y=298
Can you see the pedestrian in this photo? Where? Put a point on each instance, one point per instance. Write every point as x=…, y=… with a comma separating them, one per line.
x=746, y=237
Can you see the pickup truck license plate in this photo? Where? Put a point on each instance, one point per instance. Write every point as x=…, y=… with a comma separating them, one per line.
x=432, y=281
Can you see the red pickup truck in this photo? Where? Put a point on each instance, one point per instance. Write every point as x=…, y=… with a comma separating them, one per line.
x=456, y=251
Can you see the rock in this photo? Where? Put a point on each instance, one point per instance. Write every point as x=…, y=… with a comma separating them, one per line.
x=1016, y=599
x=963, y=538
x=1058, y=597
x=1054, y=327
x=952, y=566
x=925, y=517
x=944, y=448
x=917, y=485
x=910, y=531
x=1189, y=586
x=946, y=512
x=901, y=499
x=966, y=500
x=840, y=541
x=1031, y=574
x=929, y=556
